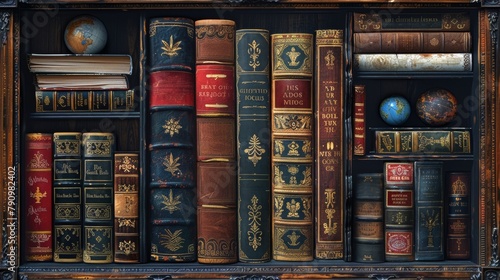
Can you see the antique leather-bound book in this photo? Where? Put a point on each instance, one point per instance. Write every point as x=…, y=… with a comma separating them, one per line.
x=458, y=234
x=38, y=230
x=359, y=121
x=216, y=141
x=329, y=135
x=399, y=210
x=368, y=218
x=126, y=207
x=68, y=232
x=429, y=211
x=412, y=42
x=97, y=150
x=253, y=128
x=292, y=159
x=171, y=145
x=404, y=62
x=84, y=100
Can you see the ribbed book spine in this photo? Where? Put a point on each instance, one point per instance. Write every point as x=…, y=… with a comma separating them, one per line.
x=292, y=159
x=329, y=135
x=68, y=197
x=38, y=199
x=368, y=218
x=253, y=128
x=171, y=141
x=216, y=141
x=458, y=235
x=399, y=210
x=98, y=149
x=126, y=207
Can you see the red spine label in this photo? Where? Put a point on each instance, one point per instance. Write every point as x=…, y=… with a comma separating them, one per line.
x=399, y=243
x=399, y=174
x=215, y=93
x=399, y=198
x=292, y=93
x=171, y=88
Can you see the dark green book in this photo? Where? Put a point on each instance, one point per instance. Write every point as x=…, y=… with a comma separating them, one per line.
x=98, y=149
x=254, y=183
x=67, y=191
x=429, y=210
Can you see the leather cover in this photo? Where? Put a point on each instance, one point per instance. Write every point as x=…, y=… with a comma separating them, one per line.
x=215, y=41
x=359, y=141
x=38, y=201
x=459, y=215
x=171, y=88
x=215, y=92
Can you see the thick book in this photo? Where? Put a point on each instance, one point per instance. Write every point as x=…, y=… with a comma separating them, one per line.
x=329, y=135
x=38, y=221
x=81, y=82
x=429, y=211
x=292, y=158
x=412, y=42
x=359, y=127
x=80, y=63
x=458, y=219
x=423, y=142
x=368, y=218
x=399, y=208
x=126, y=207
x=67, y=181
x=418, y=62
x=370, y=22
x=215, y=94
x=85, y=101
x=254, y=154
x=98, y=149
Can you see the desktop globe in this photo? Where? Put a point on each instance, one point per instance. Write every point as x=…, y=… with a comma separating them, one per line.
x=436, y=107
x=395, y=110
x=85, y=35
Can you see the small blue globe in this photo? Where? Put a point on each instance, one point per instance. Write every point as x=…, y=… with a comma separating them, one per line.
x=85, y=35
x=395, y=110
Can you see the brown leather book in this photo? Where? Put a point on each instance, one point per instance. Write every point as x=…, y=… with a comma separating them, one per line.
x=359, y=120
x=459, y=215
x=412, y=42
x=215, y=41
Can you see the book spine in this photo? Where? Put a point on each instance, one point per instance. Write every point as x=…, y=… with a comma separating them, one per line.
x=329, y=240
x=368, y=218
x=429, y=211
x=38, y=200
x=399, y=211
x=172, y=136
x=126, y=207
x=67, y=197
x=292, y=161
x=98, y=149
x=412, y=42
x=458, y=235
x=85, y=101
x=216, y=141
x=253, y=155
x=439, y=62
x=369, y=22
x=359, y=120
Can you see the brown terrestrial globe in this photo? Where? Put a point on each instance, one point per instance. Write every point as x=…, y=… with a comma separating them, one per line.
x=436, y=107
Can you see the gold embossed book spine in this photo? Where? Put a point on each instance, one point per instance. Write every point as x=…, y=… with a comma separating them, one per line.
x=216, y=141
x=292, y=159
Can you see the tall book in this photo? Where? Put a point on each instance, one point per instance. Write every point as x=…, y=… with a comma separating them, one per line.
x=368, y=218
x=126, y=207
x=38, y=199
x=458, y=234
x=359, y=121
x=429, y=211
x=97, y=151
x=292, y=160
x=216, y=141
x=370, y=22
x=68, y=197
x=253, y=129
x=329, y=135
x=171, y=182
x=399, y=210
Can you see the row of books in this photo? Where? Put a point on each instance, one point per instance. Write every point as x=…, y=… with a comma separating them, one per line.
x=412, y=42
x=411, y=211
x=82, y=199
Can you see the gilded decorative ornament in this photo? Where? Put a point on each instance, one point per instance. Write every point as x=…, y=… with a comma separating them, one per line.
x=171, y=203
x=171, y=48
x=172, y=240
x=127, y=166
x=254, y=52
x=172, y=126
x=254, y=216
x=172, y=164
x=254, y=151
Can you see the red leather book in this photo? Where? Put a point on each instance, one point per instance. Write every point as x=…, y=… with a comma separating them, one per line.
x=359, y=120
x=215, y=95
x=38, y=198
x=329, y=235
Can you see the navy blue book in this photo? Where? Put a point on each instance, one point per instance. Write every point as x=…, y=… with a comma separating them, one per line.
x=253, y=130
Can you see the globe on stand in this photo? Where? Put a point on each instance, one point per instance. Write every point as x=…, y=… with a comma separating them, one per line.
x=395, y=110
x=436, y=107
x=85, y=35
